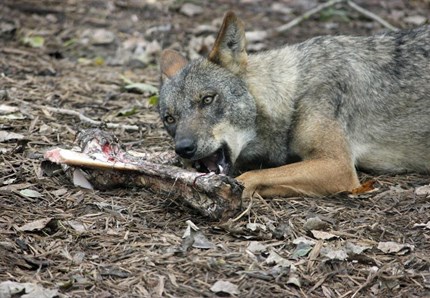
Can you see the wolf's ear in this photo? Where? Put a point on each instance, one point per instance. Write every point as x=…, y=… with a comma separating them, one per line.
x=229, y=50
x=171, y=62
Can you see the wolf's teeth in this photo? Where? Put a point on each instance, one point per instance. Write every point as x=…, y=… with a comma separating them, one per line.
x=221, y=169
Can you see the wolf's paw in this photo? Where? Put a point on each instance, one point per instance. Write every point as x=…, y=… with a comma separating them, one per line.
x=248, y=180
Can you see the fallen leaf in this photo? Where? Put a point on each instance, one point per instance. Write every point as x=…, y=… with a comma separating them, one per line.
x=99, y=61
x=9, y=181
x=35, y=225
x=416, y=20
x=256, y=247
x=275, y=259
x=9, y=289
x=14, y=187
x=353, y=249
x=8, y=136
x=78, y=257
x=153, y=100
x=321, y=235
x=226, y=287
x=294, y=280
x=141, y=88
x=195, y=238
x=5, y=109
x=85, y=61
x=365, y=187
x=110, y=206
x=334, y=254
x=391, y=247
x=281, y=8
x=114, y=271
x=128, y=111
x=80, y=180
x=423, y=190
x=59, y=192
x=77, y=226
x=200, y=241
x=34, y=41
x=301, y=250
x=425, y=226
x=30, y=193
x=190, y=9
x=45, y=129
x=303, y=240
x=256, y=36
x=315, y=223
x=98, y=37
x=254, y=227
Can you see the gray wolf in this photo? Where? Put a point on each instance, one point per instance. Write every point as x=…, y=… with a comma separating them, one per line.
x=300, y=119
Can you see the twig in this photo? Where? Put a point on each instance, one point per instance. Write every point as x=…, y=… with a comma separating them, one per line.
x=86, y=119
x=328, y=4
x=306, y=15
x=370, y=278
x=371, y=15
x=244, y=212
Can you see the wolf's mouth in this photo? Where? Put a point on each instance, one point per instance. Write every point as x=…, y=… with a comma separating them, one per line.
x=218, y=162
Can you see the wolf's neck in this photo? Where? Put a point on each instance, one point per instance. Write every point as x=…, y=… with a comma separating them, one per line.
x=272, y=79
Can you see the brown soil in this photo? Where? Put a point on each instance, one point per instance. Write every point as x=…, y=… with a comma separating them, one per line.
x=128, y=242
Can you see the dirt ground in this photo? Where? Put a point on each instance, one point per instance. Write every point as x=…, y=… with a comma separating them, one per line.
x=64, y=59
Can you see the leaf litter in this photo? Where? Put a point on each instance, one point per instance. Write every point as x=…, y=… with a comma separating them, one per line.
x=127, y=242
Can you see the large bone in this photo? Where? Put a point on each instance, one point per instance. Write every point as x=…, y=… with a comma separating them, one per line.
x=107, y=164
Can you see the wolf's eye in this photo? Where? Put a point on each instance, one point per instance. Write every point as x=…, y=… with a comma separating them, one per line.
x=208, y=99
x=169, y=119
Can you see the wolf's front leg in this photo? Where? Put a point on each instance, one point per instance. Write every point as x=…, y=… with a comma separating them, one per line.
x=315, y=177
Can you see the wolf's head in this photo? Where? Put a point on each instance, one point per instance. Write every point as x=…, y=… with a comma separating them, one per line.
x=205, y=104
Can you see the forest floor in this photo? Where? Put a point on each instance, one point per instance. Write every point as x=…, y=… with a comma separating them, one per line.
x=63, y=58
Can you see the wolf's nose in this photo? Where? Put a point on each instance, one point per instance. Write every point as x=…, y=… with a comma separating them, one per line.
x=185, y=148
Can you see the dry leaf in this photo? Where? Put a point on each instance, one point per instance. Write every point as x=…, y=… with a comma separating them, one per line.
x=423, y=190
x=226, y=287
x=365, y=187
x=315, y=223
x=8, y=136
x=9, y=289
x=275, y=259
x=5, y=109
x=195, y=238
x=353, y=249
x=304, y=246
x=303, y=240
x=80, y=180
x=190, y=9
x=425, y=226
x=30, y=193
x=394, y=247
x=415, y=20
x=294, y=280
x=254, y=227
x=334, y=254
x=35, y=225
x=321, y=235
x=256, y=247
x=77, y=226
x=59, y=192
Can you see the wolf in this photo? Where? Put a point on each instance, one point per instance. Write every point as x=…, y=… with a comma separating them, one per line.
x=299, y=120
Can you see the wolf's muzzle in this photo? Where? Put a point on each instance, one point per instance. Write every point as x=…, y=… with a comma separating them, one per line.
x=186, y=148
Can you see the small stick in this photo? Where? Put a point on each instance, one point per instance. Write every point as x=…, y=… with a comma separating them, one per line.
x=246, y=211
x=86, y=119
x=328, y=4
x=371, y=15
x=306, y=15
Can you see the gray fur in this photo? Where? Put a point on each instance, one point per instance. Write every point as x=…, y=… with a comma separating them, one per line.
x=376, y=88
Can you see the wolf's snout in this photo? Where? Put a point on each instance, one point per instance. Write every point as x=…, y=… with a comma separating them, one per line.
x=185, y=148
